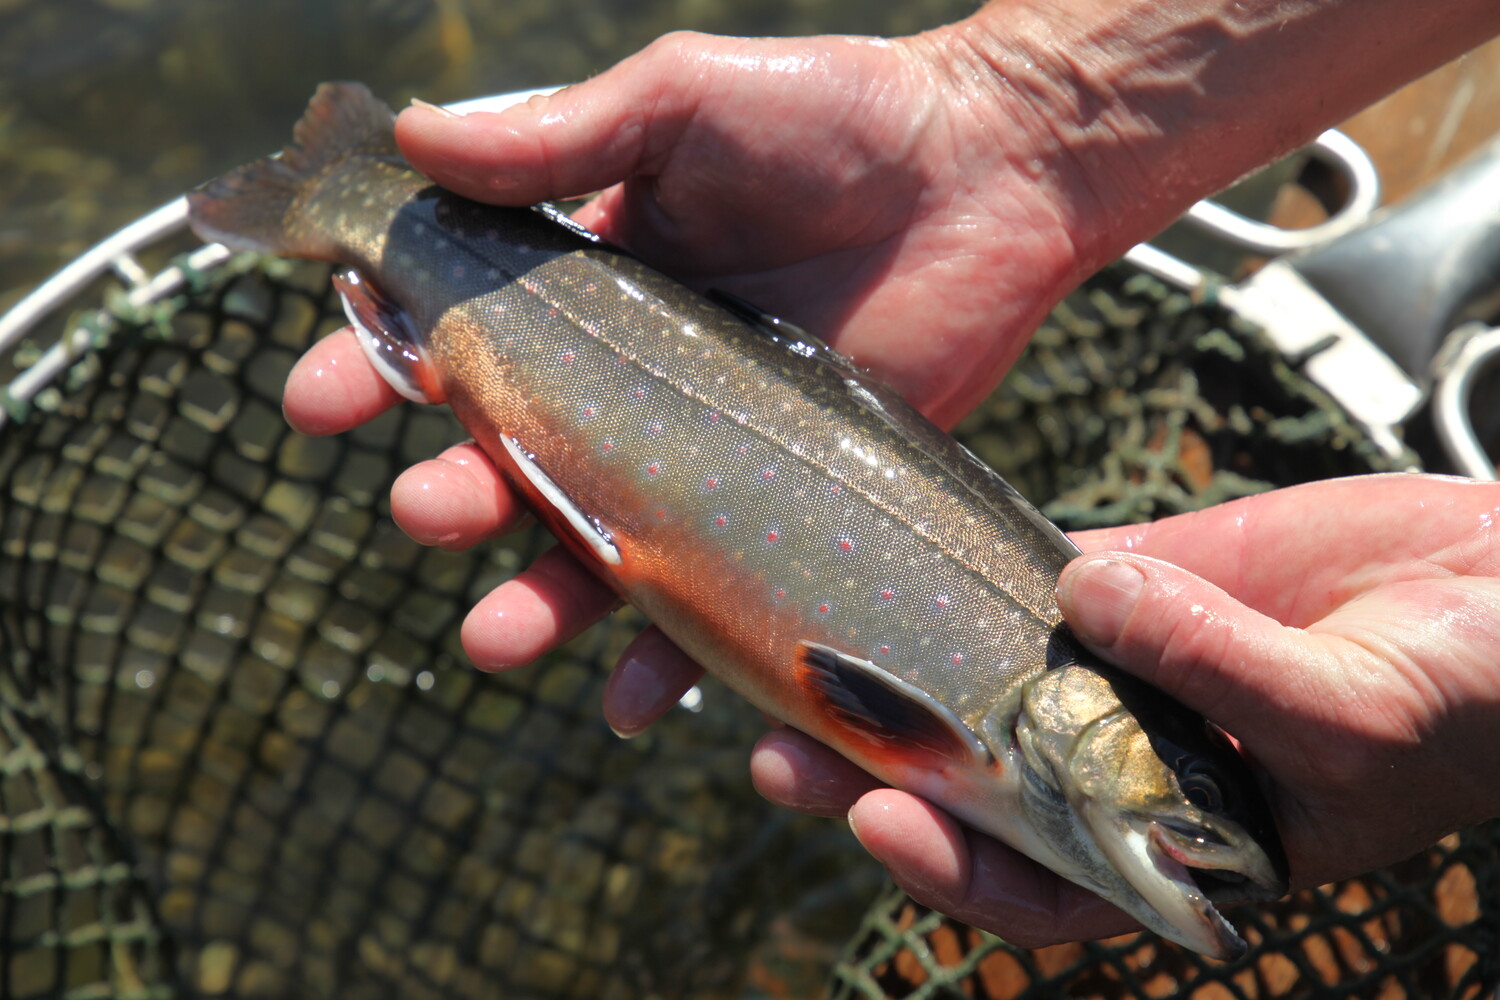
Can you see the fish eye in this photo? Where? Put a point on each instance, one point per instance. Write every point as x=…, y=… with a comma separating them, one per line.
x=1202, y=790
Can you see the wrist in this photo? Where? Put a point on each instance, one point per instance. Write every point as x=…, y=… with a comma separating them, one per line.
x=1133, y=109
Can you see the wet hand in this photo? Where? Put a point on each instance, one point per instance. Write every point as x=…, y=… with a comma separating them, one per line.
x=1344, y=632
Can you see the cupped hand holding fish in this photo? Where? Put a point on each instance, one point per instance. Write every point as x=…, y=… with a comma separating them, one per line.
x=1344, y=632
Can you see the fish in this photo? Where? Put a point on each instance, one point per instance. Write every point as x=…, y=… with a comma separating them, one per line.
x=787, y=519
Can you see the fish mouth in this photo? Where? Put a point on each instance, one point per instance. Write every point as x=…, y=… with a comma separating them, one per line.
x=1179, y=857
x=1175, y=877
x=1253, y=876
x=1211, y=933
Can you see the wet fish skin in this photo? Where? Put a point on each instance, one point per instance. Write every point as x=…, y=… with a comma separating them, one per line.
x=792, y=524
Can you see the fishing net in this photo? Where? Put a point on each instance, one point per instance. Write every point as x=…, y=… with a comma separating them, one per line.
x=242, y=754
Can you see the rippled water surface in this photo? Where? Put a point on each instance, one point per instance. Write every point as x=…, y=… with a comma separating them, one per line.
x=111, y=107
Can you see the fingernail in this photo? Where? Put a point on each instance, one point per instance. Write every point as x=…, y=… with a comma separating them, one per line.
x=1101, y=594
x=854, y=828
x=417, y=102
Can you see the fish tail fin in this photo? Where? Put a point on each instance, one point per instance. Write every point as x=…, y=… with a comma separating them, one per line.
x=249, y=208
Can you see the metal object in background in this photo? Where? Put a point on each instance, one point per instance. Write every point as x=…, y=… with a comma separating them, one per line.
x=1358, y=178
x=1365, y=301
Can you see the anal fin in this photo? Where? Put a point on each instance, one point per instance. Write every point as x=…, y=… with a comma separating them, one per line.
x=585, y=529
x=896, y=716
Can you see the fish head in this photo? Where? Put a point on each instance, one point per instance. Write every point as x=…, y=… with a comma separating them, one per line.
x=1146, y=802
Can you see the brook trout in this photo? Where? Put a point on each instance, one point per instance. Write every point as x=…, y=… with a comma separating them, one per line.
x=790, y=522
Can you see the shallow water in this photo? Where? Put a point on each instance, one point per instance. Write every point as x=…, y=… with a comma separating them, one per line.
x=111, y=107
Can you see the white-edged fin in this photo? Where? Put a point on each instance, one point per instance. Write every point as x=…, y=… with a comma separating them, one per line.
x=389, y=338
x=884, y=707
x=586, y=528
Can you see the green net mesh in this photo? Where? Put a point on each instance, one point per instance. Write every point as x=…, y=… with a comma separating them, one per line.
x=242, y=754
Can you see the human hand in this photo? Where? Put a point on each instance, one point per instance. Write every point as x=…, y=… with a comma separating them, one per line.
x=1345, y=632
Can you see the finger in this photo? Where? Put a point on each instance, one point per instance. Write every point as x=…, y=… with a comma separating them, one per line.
x=794, y=770
x=576, y=141
x=542, y=607
x=455, y=500
x=1297, y=553
x=1184, y=635
x=976, y=879
x=333, y=388
x=653, y=674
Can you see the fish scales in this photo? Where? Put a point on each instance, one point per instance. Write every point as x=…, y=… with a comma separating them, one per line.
x=635, y=394
x=789, y=522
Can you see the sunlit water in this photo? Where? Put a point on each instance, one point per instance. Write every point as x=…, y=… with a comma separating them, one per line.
x=111, y=107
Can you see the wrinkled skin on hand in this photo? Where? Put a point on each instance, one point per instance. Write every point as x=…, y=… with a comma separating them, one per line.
x=1344, y=632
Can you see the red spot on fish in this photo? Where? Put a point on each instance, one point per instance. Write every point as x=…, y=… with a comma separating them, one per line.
x=721, y=520
x=661, y=513
x=653, y=469
x=779, y=593
x=824, y=608
x=884, y=650
x=887, y=594
x=552, y=311
x=773, y=536
x=607, y=447
x=567, y=357
x=713, y=418
x=767, y=474
x=846, y=544
x=957, y=658
x=711, y=483
x=588, y=411
x=941, y=602
x=638, y=393
x=835, y=489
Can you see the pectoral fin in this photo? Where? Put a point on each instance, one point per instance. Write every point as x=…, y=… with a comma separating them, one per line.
x=582, y=527
x=389, y=337
x=898, y=718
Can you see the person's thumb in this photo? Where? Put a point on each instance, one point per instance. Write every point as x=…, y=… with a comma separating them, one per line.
x=570, y=143
x=1187, y=637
